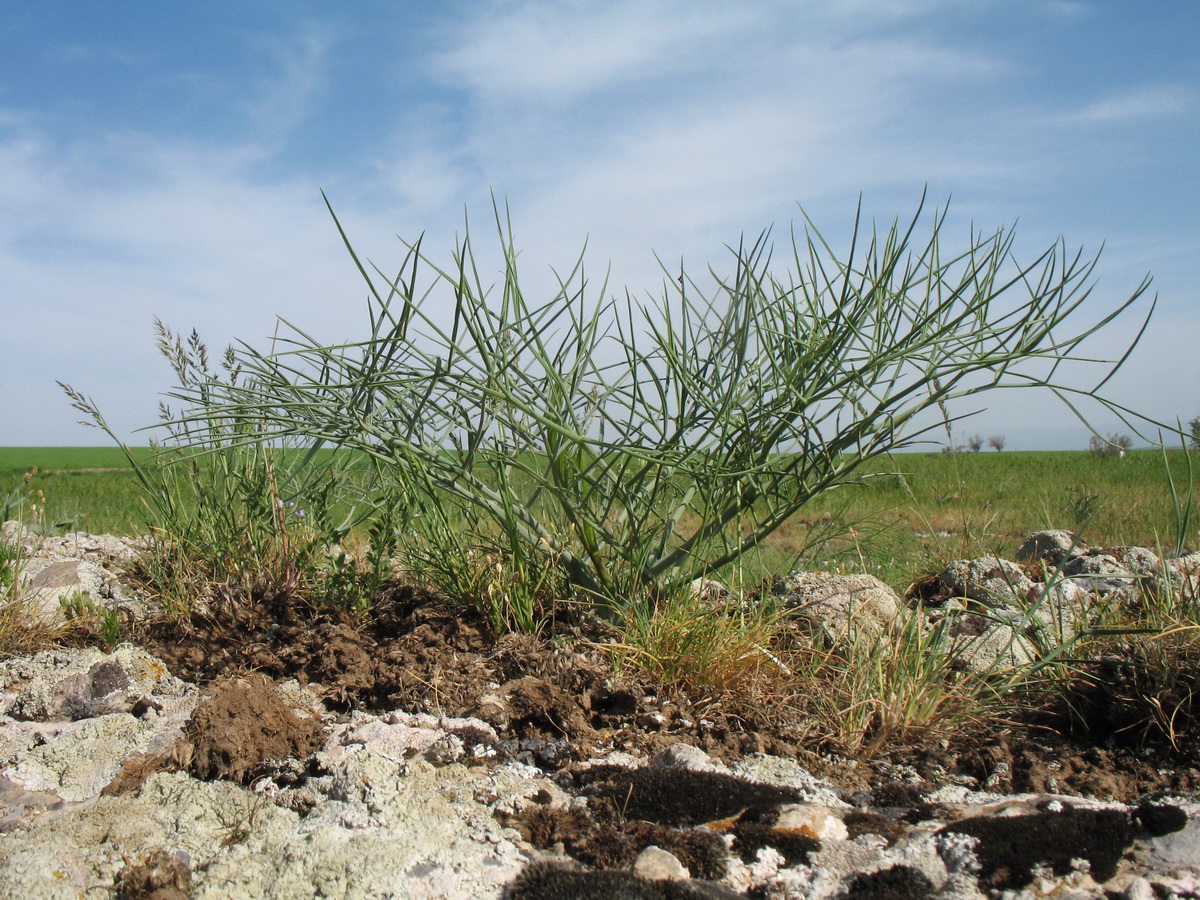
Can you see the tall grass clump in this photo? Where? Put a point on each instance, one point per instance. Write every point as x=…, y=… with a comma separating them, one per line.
x=235, y=510
x=633, y=445
x=24, y=623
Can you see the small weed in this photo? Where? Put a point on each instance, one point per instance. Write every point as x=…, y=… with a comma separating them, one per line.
x=23, y=626
x=109, y=628
x=691, y=640
x=878, y=691
x=1082, y=505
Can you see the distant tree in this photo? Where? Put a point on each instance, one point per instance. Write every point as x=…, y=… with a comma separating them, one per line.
x=975, y=442
x=1194, y=425
x=1115, y=445
x=996, y=442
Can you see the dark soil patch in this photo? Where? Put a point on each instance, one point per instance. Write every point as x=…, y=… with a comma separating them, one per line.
x=896, y=883
x=548, y=881
x=1011, y=846
x=673, y=796
x=555, y=698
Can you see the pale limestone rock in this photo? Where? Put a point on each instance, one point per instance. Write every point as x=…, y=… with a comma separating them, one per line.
x=685, y=756
x=1053, y=547
x=657, y=864
x=845, y=607
x=814, y=821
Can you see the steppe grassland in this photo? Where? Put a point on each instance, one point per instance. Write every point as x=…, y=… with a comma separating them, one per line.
x=920, y=512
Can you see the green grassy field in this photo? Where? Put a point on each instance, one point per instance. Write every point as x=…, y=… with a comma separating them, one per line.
x=92, y=487
x=939, y=507
x=919, y=512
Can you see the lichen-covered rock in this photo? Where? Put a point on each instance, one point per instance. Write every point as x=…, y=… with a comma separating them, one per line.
x=1140, y=561
x=1106, y=576
x=61, y=571
x=982, y=645
x=57, y=685
x=1053, y=547
x=843, y=607
x=994, y=582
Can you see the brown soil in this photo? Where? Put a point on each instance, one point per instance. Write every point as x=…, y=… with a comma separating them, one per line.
x=241, y=725
x=554, y=699
x=158, y=875
x=557, y=699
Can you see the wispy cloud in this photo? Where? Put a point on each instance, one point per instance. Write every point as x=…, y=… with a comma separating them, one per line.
x=293, y=75
x=1158, y=101
x=554, y=51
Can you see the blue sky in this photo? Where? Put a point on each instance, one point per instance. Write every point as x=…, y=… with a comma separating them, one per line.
x=166, y=160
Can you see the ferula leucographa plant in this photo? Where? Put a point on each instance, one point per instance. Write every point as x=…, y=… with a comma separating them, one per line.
x=634, y=445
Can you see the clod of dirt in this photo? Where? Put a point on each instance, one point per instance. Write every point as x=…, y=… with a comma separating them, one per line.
x=1010, y=847
x=616, y=846
x=241, y=725
x=158, y=876
x=533, y=706
x=896, y=883
x=547, y=881
x=676, y=797
x=1160, y=818
x=138, y=767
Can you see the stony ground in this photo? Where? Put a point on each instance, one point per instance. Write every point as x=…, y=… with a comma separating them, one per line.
x=270, y=751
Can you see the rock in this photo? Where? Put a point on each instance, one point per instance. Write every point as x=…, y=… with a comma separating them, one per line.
x=374, y=831
x=1138, y=889
x=73, y=570
x=1052, y=547
x=707, y=592
x=788, y=773
x=983, y=646
x=77, y=760
x=1184, y=574
x=62, y=586
x=656, y=864
x=685, y=756
x=1015, y=620
x=1097, y=565
x=1172, y=845
x=60, y=685
x=19, y=806
x=103, y=689
x=844, y=607
x=401, y=736
x=813, y=821
x=1104, y=575
x=996, y=583
x=1141, y=561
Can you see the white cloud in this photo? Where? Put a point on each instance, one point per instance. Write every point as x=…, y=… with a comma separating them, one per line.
x=555, y=51
x=87, y=263
x=1149, y=102
x=278, y=102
